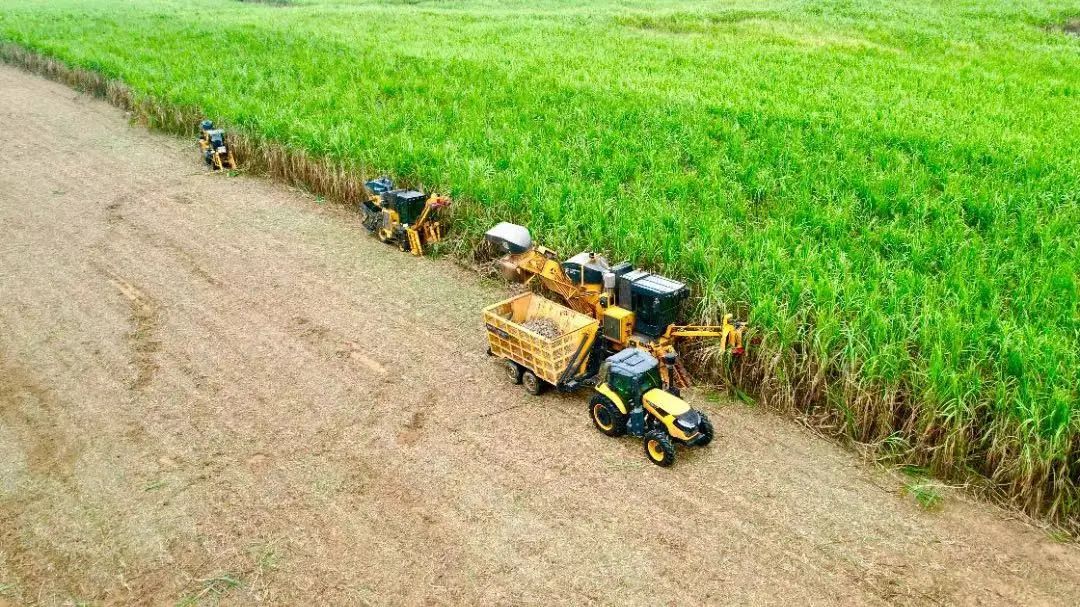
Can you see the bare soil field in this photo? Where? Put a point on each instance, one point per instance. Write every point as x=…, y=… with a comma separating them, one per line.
x=218, y=390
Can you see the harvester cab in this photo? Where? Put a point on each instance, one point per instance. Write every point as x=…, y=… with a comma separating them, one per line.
x=631, y=398
x=216, y=152
x=654, y=300
x=402, y=217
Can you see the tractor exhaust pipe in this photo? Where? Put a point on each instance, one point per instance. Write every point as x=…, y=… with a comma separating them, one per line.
x=609, y=289
x=670, y=359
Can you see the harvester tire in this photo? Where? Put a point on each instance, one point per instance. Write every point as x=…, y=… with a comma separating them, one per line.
x=659, y=448
x=512, y=370
x=533, y=384
x=606, y=416
x=706, y=429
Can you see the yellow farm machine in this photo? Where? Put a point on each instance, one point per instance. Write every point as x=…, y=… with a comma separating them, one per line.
x=616, y=334
x=635, y=308
x=407, y=218
x=215, y=150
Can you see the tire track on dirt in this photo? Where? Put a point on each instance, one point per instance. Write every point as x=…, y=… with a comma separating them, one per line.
x=144, y=325
x=34, y=414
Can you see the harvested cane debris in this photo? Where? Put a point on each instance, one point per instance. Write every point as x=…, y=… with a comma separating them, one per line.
x=544, y=327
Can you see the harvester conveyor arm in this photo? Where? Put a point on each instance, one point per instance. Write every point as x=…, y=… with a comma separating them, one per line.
x=698, y=331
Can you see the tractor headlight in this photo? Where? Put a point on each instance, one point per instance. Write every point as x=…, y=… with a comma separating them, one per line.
x=688, y=422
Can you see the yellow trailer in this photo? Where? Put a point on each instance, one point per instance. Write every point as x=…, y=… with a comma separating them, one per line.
x=541, y=342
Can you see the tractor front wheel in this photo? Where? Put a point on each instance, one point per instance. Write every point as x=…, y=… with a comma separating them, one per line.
x=533, y=384
x=513, y=371
x=606, y=416
x=706, y=429
x=659, y=448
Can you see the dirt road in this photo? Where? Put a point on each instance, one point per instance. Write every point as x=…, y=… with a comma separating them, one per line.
x=220, y=391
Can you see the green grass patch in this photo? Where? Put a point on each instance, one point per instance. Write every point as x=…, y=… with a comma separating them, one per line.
x=926, y=495
x=886, y=190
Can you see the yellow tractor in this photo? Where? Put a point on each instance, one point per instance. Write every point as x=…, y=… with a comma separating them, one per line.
x=636, y=309
x=631, y=398
x=406, y=218
x=216, y=152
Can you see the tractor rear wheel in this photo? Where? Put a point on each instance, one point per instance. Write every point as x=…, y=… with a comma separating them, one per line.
x=659, y=448
x=606, y=416
x=533, y=384
x=706, y=429
x=513, y=371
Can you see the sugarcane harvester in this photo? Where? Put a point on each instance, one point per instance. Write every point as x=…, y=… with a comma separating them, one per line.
x=635, y=308
x=217, y=153
x=406, y=218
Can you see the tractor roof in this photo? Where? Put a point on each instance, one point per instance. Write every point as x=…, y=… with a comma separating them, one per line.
x=632, y=361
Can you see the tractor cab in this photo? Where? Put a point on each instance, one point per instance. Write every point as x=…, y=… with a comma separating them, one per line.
x=631, y=373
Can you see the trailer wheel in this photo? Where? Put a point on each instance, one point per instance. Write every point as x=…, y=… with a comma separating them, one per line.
x=533, y=384
x=512, y=370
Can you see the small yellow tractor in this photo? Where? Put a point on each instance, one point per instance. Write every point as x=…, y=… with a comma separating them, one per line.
x=216, y=152
x=406, y=218
x=631, y=398
x=636, y=309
